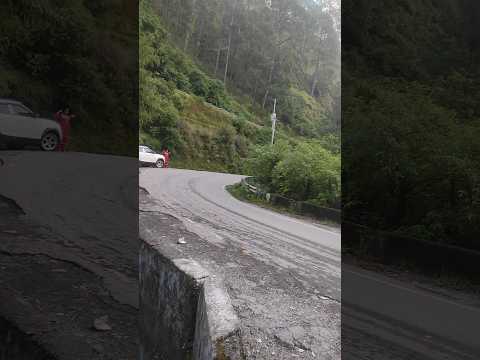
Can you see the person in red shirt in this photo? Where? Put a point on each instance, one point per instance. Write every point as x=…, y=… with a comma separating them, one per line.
x=166, y=155
x=63, y=117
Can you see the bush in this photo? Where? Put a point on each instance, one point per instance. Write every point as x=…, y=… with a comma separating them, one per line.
x=198, y=83
x=216, y=94
x=309, y=172
x=263, y=161
x=305, y=172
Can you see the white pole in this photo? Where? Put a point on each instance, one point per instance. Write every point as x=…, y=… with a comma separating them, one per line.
x=274, y=120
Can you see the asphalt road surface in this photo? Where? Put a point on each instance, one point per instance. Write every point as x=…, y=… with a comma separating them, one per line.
x=283, y=274
x=69, y=251
x=381, y=318
x=385, y=318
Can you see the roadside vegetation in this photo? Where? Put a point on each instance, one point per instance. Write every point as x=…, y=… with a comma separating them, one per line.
x=411, y=125
x=80, y=53
x=239, y=192
x=209, y=75
x=304, y=171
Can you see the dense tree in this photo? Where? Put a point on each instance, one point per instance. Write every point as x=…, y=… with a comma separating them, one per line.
x=304, y=171
x=79, y=52
x=259, y=49
x=411, y=75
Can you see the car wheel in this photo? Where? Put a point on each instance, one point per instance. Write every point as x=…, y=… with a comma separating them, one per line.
x=49, y=141
x=159, y=163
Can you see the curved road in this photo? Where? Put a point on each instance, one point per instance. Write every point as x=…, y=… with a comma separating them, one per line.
x=284, y=276
x=200, y=197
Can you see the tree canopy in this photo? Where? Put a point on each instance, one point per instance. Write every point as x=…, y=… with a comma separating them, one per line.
x=411, y=115
x=81, y=53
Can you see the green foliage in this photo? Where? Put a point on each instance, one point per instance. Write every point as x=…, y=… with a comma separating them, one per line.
x=305, y=115
x=183, y=107
x=410, y=117
x=309, y=172
x=168, y=79
x=305, y=171
x=198, y=84
x=264, y=159
x=289, y=51
x=70, y=52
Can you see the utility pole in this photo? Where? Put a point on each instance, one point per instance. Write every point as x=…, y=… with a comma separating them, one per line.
x=274, y=120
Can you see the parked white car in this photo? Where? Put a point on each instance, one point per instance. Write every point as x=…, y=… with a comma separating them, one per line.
x=148, y=157
x=20, y=127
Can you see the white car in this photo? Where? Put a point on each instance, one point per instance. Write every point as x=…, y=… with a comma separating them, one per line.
x=147, y=156
x=19, y=127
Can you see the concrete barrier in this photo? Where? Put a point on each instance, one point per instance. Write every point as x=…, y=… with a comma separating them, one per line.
x=216, y=329
x=184, y=313
x=169, y=293
x=390, y=248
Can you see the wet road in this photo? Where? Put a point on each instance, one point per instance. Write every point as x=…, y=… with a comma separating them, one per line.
x=282, y=273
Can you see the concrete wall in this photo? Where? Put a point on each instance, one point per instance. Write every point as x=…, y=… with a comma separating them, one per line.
x=216, y=328
x=390, y=248
x=183, y=313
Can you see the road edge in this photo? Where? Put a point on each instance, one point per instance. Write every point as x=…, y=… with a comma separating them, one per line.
x=180, y=298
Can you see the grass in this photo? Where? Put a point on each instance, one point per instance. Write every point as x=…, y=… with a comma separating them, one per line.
x=199, y=113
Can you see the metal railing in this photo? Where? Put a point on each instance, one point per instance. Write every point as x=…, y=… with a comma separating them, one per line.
x=300, y=207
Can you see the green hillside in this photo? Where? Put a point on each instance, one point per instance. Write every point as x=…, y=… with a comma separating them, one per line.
x=215, y=120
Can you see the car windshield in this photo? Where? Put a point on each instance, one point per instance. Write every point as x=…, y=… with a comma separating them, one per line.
x=146, y=150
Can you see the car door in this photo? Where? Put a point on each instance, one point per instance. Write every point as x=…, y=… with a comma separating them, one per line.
x=141, y=154
x=151, y=155
x=24, y=122
x=7, y=121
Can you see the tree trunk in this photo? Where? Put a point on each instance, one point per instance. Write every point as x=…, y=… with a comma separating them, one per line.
x=199, y=38
x=229, y=43
x=218, y=59
x=190, y=28
x=270, y=77
x=315, y=75
x=255, y=88
x=265, y=97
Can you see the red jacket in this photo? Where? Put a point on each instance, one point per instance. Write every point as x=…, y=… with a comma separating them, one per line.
x=166, y=155
x=64, y=121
